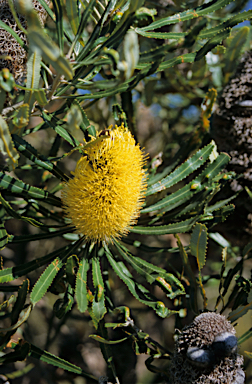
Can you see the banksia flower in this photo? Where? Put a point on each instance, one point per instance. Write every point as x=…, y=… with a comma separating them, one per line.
x=206, y=353
x=104, y=198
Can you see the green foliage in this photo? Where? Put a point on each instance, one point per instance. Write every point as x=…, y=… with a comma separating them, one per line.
x=109, y=50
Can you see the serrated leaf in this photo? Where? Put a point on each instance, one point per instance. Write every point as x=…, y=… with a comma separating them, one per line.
x=98, y=305
x=45, y=280
x=18, y=187
x=169, y=283
x=71, y=265
x=42, y=44
x=204, y=9
x=183, y=170
x=31, y=153
x=7, y=149
x=212, y=43
x=198, y=184
x=180, y=227
x=81, y=285
x=49, y=358
x=198, y=244
x=9, y=274
x=137, y=290
x=3, y=236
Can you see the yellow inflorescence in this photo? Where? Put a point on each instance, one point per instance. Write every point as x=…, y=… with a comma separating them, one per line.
x=104, y=198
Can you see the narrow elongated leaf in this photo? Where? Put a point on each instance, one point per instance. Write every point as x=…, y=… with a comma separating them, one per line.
x=7, y=149
x=233, y=51
x=14, y=34
x=245, y=336
x=72, y=14
x=31, y=153
x=3, y=236
x=58, y=10
x=204, y=9
x=104, y=341
x=33, y=76
x=20, y=354
x=242, y=310
x=183, y=170
x=212, y=43
x=137, y=290
x=17, y=308
x=22, y=319
x=198, y=184
x=180, y=227
x=190, y=275
x=152, y=273
x=98, y=305
x=49, y=358
x=45, y=280
x=18, y=187
x=9, y=274
x=81, y=285
x=41, y=43
x=198, y=244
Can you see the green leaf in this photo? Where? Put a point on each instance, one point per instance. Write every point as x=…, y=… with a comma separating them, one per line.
x=198, y=244
x=21, y=352
x=245, y=337
x=9, y=274
x=20, y=118
x=81, y=285
x=42, y=44
x=24, y=316
x=3, y=236
x=153, y=274
x=183, y=170
x=58, y=10
x=137, y=290
x=49, y=358
x=180, y=227
x=242, y=310
x=18, y=187
x=6, y=145
x=212, y=43
x=31, y=153
x=33, y=76
x=204, y=9
x=17, y=308
x=104, y=341
x=190, y=275
x=98, y=305
x=233, y=51
x=45, y=280
x=71, y=265
x=72, y=14
x=13, y=33
x=198, y=184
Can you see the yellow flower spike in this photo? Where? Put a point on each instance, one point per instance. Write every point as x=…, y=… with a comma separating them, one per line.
x=106, y=194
